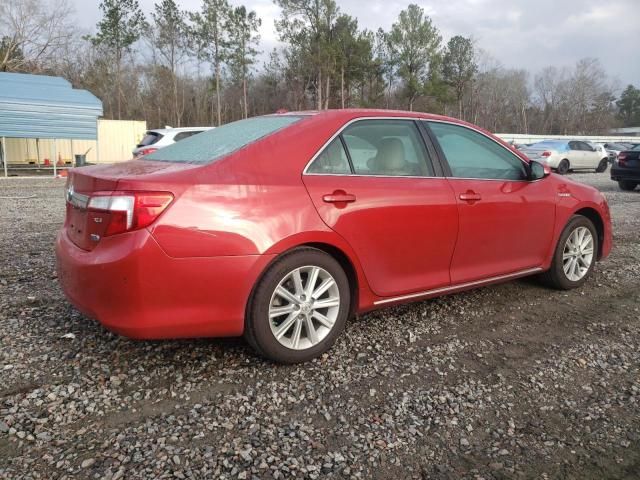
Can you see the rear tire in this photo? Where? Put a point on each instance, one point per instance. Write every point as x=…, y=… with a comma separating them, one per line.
x=287, y=321
x=627, y=185
x=563, y=167
x=572, y=264
x=602, y=166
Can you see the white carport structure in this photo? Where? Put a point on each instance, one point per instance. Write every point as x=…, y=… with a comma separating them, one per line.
x=44, y=107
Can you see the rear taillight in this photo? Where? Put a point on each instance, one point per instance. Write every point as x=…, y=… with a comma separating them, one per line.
x=546, y=154
x=147, y=151
x=622, y=159
x=129, y=210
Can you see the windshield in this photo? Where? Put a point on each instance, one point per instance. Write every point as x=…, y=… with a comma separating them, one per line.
x=636, y=148
x=214, y=144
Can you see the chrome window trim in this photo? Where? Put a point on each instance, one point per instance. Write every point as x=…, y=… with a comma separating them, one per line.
x=339, y=132
x=458, y=286
x=418, y=119
x=367, y=176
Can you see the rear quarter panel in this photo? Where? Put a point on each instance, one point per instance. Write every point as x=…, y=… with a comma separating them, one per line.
x=255, y=203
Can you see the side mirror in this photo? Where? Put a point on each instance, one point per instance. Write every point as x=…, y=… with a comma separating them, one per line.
x=538, y=171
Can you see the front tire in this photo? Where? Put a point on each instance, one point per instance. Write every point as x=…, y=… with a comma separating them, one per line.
x=563, y=167
x=627, y=185
x=574, y=256
x=299, y=307
x=602, y=166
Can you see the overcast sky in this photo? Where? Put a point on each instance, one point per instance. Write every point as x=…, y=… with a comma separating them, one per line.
x=527, y=34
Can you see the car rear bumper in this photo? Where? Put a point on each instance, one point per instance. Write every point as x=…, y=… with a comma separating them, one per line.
x=630, y=174
x=134, y=289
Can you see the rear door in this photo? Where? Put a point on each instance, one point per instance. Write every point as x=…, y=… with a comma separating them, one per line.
x=505, y=221
x=376, y=186
x=577, y=155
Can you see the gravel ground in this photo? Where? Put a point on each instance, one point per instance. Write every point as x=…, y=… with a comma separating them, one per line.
x=509, y=381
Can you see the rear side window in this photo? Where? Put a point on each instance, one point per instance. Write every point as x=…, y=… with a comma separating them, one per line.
x=222, y=141
x=149, y=139
x=392, y=148
x=332, y=160
x=471, y=154
x=388, y=148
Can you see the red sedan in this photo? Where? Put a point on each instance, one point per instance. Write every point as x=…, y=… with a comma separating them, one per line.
x=281, y=227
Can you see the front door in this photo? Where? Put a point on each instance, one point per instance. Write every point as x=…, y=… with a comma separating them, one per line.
x=375, y=186
x=506, y=221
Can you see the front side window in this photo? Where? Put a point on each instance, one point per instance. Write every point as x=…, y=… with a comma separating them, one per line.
x=387, y=148
x=471, y=154
x=222, y=141
x=332, y=160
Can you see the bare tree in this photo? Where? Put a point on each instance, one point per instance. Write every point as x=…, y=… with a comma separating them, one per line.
x=32, y=33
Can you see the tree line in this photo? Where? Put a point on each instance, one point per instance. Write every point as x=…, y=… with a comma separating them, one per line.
x=180, y=68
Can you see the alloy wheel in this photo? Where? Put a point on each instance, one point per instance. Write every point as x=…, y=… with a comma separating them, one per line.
x=577, y=255
x=304, y=307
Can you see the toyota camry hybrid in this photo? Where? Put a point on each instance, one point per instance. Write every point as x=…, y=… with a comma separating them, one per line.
x=282, y=227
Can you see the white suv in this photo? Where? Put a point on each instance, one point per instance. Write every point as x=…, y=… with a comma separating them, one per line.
x=163, y=137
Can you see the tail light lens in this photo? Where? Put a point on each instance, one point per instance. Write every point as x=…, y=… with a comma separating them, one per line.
x=622, y=159
x=147, y=151
x=546, y=154
x=129, y=210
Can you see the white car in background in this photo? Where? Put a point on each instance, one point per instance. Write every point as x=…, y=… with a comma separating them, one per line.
x=565, y=155
x=162, y=137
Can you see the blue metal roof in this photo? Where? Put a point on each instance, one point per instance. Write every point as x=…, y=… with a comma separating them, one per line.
x=40, y=106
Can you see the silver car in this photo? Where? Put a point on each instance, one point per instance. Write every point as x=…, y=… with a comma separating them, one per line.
x=565, y=155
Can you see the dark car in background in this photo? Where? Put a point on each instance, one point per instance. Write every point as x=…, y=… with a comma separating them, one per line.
x=626, y=169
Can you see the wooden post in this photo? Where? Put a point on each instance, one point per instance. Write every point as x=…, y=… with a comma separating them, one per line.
x=98, y=141
x=55, y=159
x=73, y=158
x=4, y=156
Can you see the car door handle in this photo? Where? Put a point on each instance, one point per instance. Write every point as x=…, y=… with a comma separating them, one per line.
x=470, y=196
x=339, y=196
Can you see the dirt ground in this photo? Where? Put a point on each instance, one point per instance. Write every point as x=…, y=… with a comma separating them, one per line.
x=509, y=381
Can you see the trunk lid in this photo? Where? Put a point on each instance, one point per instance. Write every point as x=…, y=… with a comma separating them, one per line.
x=631, y=159
x=535, y=153
x=86, y=227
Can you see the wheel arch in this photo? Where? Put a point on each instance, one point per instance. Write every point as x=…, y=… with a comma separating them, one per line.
x=347, y=265
x=361, y=295
x=593, y=215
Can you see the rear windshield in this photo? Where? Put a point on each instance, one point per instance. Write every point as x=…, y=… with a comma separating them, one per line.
x=149, y=139
x=219, y=142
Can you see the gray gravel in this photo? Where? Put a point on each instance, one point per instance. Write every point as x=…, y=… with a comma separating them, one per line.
x=510, y=381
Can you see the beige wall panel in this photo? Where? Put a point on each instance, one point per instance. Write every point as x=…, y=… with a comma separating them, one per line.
x=116, y=140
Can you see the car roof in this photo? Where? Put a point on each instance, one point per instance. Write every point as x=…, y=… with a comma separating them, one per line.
x=369, y=112
x=341, y=117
